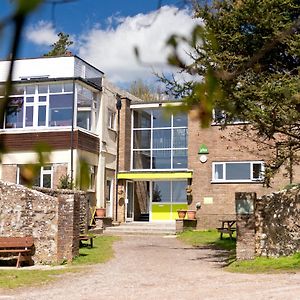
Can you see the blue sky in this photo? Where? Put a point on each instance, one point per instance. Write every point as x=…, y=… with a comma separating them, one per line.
x=105, y=33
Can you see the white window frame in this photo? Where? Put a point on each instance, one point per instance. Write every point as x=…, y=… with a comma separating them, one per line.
x=111, y=119
x=224, y=163
x=42, y=172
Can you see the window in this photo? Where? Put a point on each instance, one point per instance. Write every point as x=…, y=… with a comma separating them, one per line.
x=159, y=140
x=220, y=117
x=111, y=119
x=247, y=171
x=40, y=105
x=44, y=177
x=169, y=191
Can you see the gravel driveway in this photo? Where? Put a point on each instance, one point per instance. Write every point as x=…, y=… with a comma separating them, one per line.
x=153, y=267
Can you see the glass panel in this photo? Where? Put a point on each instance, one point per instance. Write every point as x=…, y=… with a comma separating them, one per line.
x=161, y=159
x=42, y=116
x=60, y=110
x=29, y=116
x=257, y=171
x=47, y=168
x=42, y=98
x=218, y=171
x=43, y=89
x=68, y=87
x=161, y=191
x=235, y=171
x=179, y=191
x=30, y=89
x=180, y=138
x=47, y=180
x=141, y=139
x=29, y=99
x=84, y=119
x=17, y=90
x=37, y=180
x=141, y=160
x=180, y=159
x=160, y=119
x=55, y=88
x=180, y=120
x=161, y=138
x=14, y=113
x=142, y=119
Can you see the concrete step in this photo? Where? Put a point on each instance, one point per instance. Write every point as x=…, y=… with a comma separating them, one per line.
x=141, y=228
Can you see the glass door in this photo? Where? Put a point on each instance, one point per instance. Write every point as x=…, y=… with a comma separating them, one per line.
x=129, y=201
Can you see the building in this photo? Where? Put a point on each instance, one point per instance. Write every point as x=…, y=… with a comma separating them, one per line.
x=175, y=164
x=67, y=104
x=165, y=161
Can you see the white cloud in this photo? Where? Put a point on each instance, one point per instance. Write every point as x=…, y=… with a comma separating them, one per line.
x=111, y=49
x=43, y=33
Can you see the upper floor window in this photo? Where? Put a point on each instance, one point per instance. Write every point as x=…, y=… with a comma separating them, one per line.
x=159, y=140
x=111, y=119
x=220, y=117
x=42, y=105
x=246, y=171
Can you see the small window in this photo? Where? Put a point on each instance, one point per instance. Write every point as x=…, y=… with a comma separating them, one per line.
x=111, y=119
x=237, y=171
x=44, y=177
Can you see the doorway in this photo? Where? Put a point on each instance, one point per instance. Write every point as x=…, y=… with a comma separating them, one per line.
x=129, y=201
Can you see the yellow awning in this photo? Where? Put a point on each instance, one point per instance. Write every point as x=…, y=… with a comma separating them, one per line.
x=155, y=175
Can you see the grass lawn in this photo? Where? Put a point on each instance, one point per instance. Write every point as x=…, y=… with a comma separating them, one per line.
x=100, y=253
x=259, y=265
x=207, y=238
x=267, y=265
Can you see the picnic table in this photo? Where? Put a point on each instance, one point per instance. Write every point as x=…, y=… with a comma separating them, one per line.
x=227, y=227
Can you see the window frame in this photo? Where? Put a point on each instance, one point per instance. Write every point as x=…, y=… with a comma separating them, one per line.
x=111, y=119
x=251, y=180
x=152, y=149
x=41, y=175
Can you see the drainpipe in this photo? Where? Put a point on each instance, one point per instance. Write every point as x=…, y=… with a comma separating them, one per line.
x=118, y=107
x=72, y=137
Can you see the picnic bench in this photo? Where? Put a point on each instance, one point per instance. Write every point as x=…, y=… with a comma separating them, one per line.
x=227, y=228
x=17, y=247
x=86, y=238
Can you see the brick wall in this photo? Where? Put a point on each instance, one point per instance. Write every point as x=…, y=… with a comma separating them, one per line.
x=9, y=173
x=218, y=199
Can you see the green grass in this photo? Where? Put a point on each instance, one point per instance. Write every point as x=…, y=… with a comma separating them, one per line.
x=267, y=265
x=207, y=238
x=100, y=253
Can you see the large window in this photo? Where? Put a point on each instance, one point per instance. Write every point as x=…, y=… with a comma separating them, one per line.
x=246, y=171
x=159, y=140
x=40, y=105
x=169, y=191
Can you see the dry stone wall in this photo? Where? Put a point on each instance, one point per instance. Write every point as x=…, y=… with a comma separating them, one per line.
x=52, y=220
x=278, y=223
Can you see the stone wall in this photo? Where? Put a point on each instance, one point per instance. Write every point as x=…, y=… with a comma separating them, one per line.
x=52, y=221
x=278, y=223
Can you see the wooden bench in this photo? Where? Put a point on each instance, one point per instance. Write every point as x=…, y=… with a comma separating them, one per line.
x=20, y=247
x=226, y=231
x=86, y=238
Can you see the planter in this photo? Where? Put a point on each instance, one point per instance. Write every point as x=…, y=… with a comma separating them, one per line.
x=181, y=213
x=191, y=214
x=100, y=212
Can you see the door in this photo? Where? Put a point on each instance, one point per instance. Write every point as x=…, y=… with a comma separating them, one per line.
x=129, y=200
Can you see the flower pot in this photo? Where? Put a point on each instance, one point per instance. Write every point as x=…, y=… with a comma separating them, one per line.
x=181, y=213
x=191, y=214
x=100, y=212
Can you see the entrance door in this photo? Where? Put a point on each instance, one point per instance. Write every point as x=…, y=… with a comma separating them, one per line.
x=129, y=201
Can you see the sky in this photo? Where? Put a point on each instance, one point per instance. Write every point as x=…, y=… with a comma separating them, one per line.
x=105, y=33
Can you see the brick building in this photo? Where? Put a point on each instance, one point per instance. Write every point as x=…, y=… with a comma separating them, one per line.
x=171, y=153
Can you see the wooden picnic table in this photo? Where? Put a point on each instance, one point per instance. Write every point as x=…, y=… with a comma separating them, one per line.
x=227, y=227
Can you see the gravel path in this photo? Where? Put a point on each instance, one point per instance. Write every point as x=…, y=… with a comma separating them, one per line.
x=152, y=267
